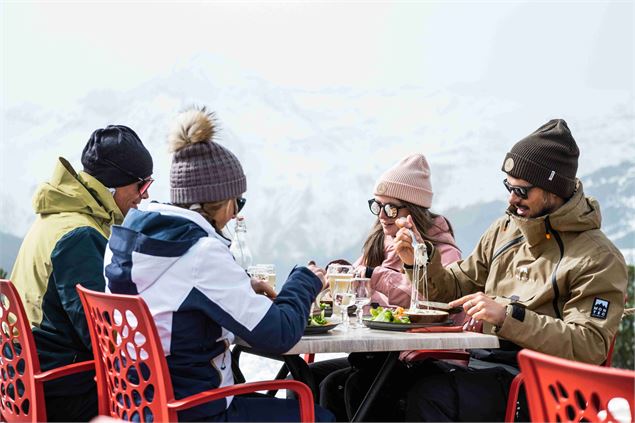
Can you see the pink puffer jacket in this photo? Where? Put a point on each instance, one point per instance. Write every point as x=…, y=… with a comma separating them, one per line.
x=391, y=286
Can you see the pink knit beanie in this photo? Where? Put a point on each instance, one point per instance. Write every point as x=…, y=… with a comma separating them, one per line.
x=408, y=180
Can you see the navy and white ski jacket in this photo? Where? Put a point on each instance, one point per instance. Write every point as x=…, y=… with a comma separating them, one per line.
x=200, y=298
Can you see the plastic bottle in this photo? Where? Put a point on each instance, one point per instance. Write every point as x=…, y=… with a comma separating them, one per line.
x=239, y=248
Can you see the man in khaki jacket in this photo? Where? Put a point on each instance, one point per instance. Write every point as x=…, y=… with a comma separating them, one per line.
x=543, y=277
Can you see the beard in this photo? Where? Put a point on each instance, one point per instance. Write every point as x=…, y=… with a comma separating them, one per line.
x=548, y=206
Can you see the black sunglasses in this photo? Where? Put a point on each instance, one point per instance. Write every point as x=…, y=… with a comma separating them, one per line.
x=520, y=191
x=240, y=203
x=142, y=185
x=389, y=209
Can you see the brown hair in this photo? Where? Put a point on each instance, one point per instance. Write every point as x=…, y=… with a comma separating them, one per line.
x=373, y=250
x=207, y=210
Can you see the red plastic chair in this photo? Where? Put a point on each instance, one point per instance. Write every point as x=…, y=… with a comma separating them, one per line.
x=568, y=391
x=21, y=386
x=133, y=380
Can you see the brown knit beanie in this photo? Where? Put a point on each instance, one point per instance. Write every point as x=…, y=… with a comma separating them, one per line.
x=408, y=180
x=202, y=170
x=547, y=158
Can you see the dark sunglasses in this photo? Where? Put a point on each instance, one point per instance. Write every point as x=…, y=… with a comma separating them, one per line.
x=144, y=183
x=389, y=209
x=240, y=203
x=519, y=191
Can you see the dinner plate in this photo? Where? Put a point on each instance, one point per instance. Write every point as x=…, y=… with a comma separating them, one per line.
x=401, y=327
x=314, y=330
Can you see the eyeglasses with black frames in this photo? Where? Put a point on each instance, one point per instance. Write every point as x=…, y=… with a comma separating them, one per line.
x=519, y=191
x=144, y=183
x=390, y=210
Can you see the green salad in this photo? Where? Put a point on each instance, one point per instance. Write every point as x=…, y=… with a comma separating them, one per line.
x=388, y=315
x=317, y=320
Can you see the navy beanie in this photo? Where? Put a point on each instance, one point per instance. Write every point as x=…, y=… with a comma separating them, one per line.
x=116, y=157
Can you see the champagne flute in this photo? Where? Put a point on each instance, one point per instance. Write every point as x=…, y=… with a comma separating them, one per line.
x=360, y=287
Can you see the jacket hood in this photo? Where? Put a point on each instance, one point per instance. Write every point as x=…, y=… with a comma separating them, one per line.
x=149, y=243
x=68, y=191
x=579, y=214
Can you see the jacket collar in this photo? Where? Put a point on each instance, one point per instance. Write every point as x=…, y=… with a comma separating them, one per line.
x=578, y=214
x=170, y=210
x=68, y=191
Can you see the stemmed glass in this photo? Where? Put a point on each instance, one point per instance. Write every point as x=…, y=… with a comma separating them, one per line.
x=338, y=276
x=361, y=290
x=343, y=296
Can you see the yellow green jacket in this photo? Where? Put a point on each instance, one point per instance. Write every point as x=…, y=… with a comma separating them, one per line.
x=560, y=269
x=64, y=246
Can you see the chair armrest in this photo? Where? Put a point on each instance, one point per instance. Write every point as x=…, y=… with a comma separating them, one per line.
x=303, y=392
x=59, y=372
x=512, y=399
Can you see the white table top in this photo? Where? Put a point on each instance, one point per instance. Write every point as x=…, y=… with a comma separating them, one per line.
x=366, y=340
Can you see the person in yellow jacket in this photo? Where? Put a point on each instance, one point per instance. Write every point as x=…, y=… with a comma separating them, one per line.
x=65, y=246
x=543, y=277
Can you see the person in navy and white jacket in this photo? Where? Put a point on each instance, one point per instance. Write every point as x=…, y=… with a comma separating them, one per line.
x=176, y=258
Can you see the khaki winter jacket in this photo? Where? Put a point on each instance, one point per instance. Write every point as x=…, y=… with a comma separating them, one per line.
x=560, y=268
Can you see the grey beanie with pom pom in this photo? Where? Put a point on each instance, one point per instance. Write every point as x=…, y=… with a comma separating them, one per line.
x=202, y=170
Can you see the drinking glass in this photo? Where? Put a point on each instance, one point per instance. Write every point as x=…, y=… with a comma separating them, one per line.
x=360, y=287
x=338, y=277
x=342, y=298
x=270, y=269
x=259, y=273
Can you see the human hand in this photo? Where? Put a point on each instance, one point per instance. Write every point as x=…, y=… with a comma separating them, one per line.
x=481, y=307
x=319, y=272
x=263, y=288
x=403, y=239
x=359, y=272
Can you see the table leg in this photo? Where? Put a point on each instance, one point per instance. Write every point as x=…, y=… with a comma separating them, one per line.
x=373, y=391
x=299, y=369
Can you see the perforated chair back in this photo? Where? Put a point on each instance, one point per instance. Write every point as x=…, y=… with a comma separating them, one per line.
x=22, y=398
x=568, y=391
x=133, y=381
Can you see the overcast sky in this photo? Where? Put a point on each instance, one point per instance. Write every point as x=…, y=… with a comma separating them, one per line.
x=55, y=53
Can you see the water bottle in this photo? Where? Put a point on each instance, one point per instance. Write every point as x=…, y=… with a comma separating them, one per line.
x=239, y=248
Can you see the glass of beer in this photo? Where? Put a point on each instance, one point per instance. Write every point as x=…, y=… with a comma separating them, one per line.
x=264, y=273
x=339, y=277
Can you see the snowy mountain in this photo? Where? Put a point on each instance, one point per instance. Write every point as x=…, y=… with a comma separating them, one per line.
x=312, y=158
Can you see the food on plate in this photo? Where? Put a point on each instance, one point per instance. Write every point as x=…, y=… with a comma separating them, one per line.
x=427, y=316
x=396, y=315
x=317, y=320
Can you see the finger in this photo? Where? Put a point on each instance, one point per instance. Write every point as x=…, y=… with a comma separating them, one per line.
x=311, y=263
x=269, y=291
x=460, y=301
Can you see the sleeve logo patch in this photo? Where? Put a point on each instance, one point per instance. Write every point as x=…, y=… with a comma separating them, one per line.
x=600, y=308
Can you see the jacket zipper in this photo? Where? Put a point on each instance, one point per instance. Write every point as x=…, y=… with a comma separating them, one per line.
x=507, y=246
x=554, y=282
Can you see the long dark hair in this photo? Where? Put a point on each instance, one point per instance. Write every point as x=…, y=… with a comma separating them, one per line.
x=423, y=219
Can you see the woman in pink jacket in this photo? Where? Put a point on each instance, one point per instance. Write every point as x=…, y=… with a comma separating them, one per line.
x=402, y=190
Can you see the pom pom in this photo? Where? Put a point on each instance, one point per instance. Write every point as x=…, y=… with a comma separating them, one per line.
x=192, y=126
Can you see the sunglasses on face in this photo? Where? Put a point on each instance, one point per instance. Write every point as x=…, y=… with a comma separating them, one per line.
x=519, y=191
x=390, y=210
x=144, y=183
x=240, y=203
